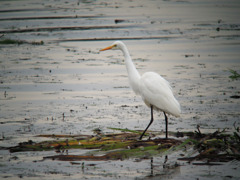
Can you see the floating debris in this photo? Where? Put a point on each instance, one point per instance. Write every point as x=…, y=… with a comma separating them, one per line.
x=215, y=147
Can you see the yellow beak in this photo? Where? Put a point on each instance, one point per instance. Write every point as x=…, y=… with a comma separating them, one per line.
x=107, y=48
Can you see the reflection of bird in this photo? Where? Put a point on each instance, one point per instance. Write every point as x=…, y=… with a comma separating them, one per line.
x=154, y=89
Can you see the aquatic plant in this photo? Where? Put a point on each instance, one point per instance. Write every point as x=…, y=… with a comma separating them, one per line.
x=219, y=146
x=235, y=75
x=11, y=41
x=19, y=42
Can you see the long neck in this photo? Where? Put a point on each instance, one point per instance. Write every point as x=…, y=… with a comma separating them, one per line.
x=133, y=74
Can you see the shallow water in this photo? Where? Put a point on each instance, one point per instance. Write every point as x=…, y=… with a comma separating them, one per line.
x=190, y=43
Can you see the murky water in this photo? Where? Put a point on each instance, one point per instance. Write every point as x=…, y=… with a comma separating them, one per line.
x=65, y=86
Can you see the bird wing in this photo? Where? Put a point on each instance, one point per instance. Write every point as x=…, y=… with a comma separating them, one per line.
x=156, y=91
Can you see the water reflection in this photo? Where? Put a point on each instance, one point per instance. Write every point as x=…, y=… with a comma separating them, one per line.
x=163, y=169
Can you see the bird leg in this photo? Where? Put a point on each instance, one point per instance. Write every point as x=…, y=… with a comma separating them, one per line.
x=148, y=124
x=166, y=120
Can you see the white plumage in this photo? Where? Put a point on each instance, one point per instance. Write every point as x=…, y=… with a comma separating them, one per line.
x=155, y=91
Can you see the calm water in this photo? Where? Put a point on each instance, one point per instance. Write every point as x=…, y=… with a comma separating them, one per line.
x=65, y=86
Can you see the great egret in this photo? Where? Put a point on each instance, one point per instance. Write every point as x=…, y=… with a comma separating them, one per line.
x=155, y=91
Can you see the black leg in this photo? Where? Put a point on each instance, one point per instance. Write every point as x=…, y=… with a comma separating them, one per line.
x=148, y=124
x=166, y=121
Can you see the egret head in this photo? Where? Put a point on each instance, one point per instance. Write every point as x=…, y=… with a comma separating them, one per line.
x=117, y=45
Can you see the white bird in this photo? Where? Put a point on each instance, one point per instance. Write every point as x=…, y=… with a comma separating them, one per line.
x=155, y=91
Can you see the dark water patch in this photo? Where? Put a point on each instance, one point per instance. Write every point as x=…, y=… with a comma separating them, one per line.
x=118, y=38
x=229, y=27
x=24, y=10
x=228, y=37
x=119, y=21
x=48, y=17
x=63, y=28
x=235, y=97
